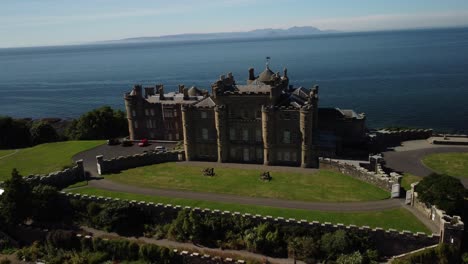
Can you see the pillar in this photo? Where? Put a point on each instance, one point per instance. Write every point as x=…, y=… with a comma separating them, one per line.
x=267, y=136
x=221, y=131
x=187, y=130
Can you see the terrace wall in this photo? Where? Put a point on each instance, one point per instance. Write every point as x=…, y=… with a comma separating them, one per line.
x=388, y=242
x=60, y=179
x=451, y=227
x=137, y=160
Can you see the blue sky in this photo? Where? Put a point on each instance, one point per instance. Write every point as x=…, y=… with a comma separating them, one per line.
x=55, y=22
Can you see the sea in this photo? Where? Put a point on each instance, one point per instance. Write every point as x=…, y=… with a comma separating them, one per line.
x=413, y=78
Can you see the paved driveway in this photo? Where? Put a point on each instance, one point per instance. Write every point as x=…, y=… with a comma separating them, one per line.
x=409, y=158
x=89, y=156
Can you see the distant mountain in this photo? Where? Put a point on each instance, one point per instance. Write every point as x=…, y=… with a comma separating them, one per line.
x=257, y=33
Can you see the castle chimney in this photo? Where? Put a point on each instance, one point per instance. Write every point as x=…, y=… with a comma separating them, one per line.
x=229, y=75
x=149, y=91
x=181, y=88
x=185, y=91
x=160, y=88
x=285, y=73
x=251, y=74
x=222, y=77
x=137, y=90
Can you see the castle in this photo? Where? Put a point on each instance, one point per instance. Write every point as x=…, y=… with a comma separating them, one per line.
x=266, y=121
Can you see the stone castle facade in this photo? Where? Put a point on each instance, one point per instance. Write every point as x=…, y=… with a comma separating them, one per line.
x=266, y=121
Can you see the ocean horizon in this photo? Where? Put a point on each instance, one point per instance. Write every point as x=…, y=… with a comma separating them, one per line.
x=410, y=78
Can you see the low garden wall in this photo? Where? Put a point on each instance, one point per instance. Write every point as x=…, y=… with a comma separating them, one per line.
x=376, y=177
x=60, y=179
x=389, y=242
x=148, y=158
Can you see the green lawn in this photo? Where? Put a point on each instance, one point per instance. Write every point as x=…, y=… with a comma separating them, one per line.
x=399, y=219
x=44, y=158
x=5, y=152
x=453, y=164
x=323, y=185
x=408, y=179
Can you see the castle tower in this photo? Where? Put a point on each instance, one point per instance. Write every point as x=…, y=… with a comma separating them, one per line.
x=308, y=157
x=221, y=130
x=267, y=132
x=187, y=128
x=131, y=106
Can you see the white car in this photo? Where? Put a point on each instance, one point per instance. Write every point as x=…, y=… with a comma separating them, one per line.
x=160, y=149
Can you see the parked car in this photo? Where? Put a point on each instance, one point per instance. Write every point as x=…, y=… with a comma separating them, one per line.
x=127, y=143
x=113, y=142
x=143, y=143
x=160, y=149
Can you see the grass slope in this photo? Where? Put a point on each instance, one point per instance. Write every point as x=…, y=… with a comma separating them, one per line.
x=44, y=158
x=453, y=164
x=408, y=179
x=320, y=185
x=399, y=219
x=5, y=152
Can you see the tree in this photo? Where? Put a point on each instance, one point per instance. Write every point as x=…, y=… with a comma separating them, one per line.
x=42, y=132
x=334, y=244
x=444, y=191
x=14, y=133
x=101, y=123
x=15, y=202
x=46, y=204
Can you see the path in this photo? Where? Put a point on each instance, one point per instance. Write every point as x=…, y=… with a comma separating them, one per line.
x=236, y=254
x=11, y=154
x=408, y=158
x=108, y=185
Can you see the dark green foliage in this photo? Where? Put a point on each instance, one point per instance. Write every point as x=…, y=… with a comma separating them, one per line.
x=122, y=218
x=442, y=254
x=46, y=204
x=43, y=132
x=14, y=133
x=15, y=202
x=61, y=248
x=267, y=239
x=446, y=192
x=101, y=123
x=304, y=248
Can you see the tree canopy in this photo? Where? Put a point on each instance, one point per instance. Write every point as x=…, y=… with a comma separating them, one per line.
x=14, y=133
x=444, y=191
x=42, y=132
x=100, y=123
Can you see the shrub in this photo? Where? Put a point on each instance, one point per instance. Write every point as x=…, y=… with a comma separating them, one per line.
x=42, y=132
x=446, y=192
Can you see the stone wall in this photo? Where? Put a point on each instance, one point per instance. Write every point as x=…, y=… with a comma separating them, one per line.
x=451, y=227
x=60, y=179
x=137, y=160
x=389, y=242
x=389, y=138
x=378, y=177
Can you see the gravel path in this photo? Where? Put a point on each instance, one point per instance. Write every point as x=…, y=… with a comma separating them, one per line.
x=235, y=254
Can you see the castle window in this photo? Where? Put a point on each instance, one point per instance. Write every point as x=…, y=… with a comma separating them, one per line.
x=133, y=113
x=169, y=136
x=245, y=134
x=135, y=124
x=204, y=133
x=258, y=135
x=232, y=133
x=232, y=152
x=259, y=153
x=177, y=136
x=279, y=156
x=175, y=112
x=203, y=115
x=246, y=154
x=286, y=156
x=168, y=113
x=287, y=137
x=146, y=112
x=258, y=114
x=294, y=156
x=176, y=125
x=152, y=112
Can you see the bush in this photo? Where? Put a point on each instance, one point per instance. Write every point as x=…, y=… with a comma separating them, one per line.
x=42, y=132
x=446, y=192
x=101, y=123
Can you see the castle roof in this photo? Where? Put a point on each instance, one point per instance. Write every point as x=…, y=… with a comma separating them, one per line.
x=266, y=75
x=207, y=102
x=173, y=98
x=194, y=91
